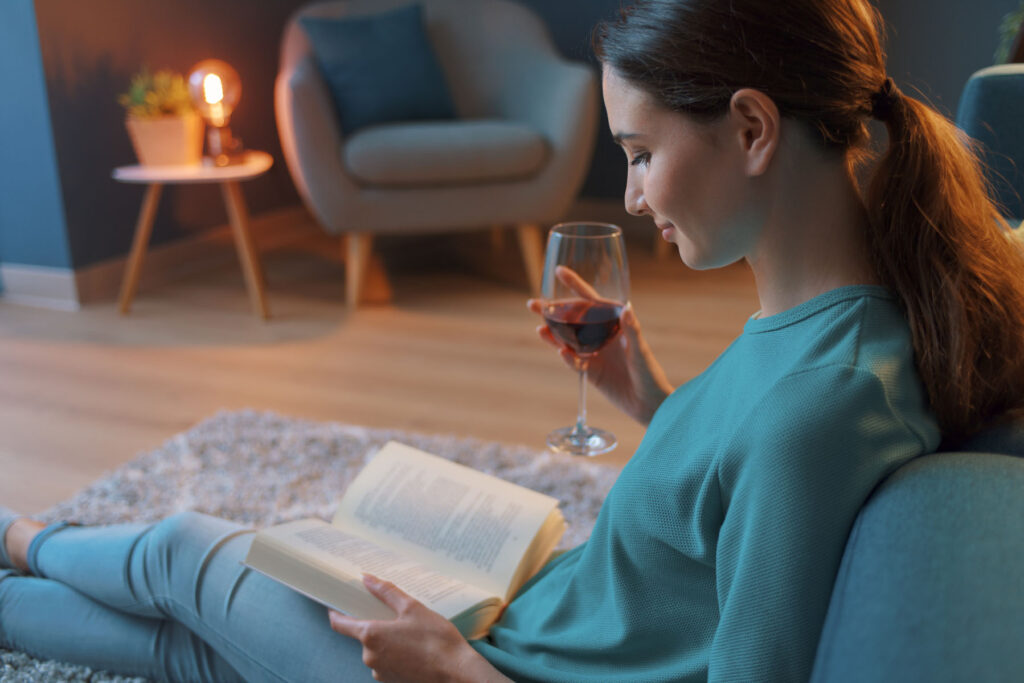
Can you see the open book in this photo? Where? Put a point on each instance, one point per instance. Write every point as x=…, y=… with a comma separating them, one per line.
x=460, y=541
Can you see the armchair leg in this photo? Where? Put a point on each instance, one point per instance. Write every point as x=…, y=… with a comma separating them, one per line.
x=532, y=245
x=357, y=257
x=365, y=279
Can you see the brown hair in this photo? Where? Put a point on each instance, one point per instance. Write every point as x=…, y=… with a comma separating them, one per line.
x=935, y=237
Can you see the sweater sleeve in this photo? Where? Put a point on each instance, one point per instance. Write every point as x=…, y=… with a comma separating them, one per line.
x=793, y=480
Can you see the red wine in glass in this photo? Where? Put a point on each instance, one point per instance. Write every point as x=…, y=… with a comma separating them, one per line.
x=584, y=326
x=584, y=288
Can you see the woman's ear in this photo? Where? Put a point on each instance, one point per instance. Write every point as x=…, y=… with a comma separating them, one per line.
x=757, y=124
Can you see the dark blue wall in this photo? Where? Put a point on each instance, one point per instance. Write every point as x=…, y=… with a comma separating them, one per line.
x=32, y=229
x=90, y=52
x=934, y=46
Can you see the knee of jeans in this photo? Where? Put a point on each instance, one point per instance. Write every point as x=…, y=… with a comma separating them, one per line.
x=178, y=538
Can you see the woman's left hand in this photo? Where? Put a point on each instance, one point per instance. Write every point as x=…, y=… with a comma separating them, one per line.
x=417, y=645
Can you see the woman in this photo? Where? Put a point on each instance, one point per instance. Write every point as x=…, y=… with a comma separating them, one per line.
x=889, y=321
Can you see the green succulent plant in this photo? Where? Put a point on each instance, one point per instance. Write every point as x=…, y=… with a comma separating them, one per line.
x=154, y=95
x=1008, y=29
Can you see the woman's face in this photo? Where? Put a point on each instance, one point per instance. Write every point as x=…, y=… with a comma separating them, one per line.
x=687, y=176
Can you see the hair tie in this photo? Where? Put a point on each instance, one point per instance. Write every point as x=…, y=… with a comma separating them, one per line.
x=884, y=101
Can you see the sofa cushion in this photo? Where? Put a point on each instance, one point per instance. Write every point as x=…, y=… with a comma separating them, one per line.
x=931, y=587
x=444, y=153
x=379, y=67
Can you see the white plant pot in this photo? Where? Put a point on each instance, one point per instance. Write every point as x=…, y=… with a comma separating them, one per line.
x=167, y=141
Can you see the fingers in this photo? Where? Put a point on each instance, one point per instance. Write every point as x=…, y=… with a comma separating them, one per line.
x=629, y=321
x=544, y=332
x=388, y=593
x=571, y=279
x=346, y=625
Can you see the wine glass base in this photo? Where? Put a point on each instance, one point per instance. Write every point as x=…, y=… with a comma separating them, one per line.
x=588, y=443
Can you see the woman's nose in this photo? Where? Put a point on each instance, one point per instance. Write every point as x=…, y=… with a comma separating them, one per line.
x=635, y=203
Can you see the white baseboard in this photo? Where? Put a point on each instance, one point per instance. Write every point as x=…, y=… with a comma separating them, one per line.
x=67, y=290
x=40, y=286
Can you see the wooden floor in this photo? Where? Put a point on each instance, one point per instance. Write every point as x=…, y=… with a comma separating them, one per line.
x=454, y=352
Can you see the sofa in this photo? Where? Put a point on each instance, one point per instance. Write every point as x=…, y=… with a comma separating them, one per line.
x=931, y=585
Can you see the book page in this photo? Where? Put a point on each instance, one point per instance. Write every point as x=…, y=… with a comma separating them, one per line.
x=347, y=557
x=462, y=522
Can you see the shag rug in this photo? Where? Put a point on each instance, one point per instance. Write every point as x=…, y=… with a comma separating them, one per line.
x=261, y=468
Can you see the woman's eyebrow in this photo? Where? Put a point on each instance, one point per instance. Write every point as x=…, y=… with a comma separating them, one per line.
x=619, y=137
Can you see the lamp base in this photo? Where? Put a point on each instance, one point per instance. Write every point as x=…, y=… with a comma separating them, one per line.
x=223, y=148
x=234, y=159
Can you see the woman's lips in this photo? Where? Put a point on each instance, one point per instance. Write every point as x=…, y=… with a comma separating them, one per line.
x=667, y=231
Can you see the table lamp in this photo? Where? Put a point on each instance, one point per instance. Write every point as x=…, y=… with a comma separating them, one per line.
x=215, y=89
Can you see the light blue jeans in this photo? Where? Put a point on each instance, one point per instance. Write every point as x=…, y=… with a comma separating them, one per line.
x=168, y=601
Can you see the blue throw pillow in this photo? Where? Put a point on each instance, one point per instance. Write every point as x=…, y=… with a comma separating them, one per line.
x=380, y=67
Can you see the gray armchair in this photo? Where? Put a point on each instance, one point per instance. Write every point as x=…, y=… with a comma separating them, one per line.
x=516, y=156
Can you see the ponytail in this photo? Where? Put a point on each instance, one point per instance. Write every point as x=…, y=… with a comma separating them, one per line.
x=939, y=242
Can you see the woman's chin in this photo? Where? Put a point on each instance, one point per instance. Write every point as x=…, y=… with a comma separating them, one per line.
x=701, y=261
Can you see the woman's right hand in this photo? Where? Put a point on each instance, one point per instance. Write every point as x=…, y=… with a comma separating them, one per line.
x=625, y=370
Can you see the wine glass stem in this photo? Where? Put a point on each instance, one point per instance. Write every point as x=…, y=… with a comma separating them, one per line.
x=581, y=414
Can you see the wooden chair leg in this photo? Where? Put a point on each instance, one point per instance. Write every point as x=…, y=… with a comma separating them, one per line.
x=366, y=282
x=531, y=243
x=357, y=257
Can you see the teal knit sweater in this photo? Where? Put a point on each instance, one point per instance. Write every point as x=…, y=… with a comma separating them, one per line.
x=714, y=554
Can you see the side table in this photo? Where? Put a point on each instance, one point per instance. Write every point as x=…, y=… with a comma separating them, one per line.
x=228, y=177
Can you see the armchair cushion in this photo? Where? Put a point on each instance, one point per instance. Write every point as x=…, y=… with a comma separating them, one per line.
x=444, y=153
x=380, y=67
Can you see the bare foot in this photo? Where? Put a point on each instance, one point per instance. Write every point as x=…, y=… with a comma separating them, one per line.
x=19, y=534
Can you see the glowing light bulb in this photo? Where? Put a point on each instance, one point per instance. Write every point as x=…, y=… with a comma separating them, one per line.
x=213, y=93
x=215, y=89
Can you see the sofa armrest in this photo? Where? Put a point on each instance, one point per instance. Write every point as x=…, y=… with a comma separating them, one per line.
x=931, y=586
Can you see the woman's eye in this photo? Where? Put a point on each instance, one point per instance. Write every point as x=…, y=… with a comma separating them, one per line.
x=640, y=159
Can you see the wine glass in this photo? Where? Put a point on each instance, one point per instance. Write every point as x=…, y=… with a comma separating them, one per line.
x=585, y=288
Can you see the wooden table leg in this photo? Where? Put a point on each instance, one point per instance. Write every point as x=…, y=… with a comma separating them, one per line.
x=246, y=249
x=143, y=228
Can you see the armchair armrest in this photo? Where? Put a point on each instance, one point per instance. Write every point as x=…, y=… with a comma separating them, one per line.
x=311, y=139
x=557, y=97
